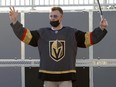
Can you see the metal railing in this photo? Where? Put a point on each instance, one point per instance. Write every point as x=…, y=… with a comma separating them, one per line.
x=49, y=3
x=36, y=62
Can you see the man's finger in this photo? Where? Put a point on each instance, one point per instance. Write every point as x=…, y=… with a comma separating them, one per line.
x=103, y=20
x=10, y=8
x=13, y=8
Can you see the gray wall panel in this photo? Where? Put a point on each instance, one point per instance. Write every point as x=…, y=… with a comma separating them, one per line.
x=9, y=44
x=9, y=49
x=105, y=77
x=106, y=48
x=77, y=20
x=10, y=77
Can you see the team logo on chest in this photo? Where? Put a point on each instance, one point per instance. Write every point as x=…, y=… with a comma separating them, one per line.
x=57, y=49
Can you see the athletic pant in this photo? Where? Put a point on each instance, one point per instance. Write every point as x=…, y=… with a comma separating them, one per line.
x=58, y=84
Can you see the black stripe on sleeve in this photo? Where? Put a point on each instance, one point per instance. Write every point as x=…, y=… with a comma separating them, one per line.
x=35, y=38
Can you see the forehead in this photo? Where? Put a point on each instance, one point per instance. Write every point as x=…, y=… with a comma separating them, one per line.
x=56, y=12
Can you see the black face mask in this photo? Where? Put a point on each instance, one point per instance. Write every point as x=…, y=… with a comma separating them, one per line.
x=54, y=23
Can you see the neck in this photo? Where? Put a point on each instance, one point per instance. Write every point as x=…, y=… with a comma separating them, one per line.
x=58, y=27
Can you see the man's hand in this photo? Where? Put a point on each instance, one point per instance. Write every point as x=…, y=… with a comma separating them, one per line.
x=103, y=23
x=13, y=15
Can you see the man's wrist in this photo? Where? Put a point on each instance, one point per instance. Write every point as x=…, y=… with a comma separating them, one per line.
x=14, y=22
x=103, y=27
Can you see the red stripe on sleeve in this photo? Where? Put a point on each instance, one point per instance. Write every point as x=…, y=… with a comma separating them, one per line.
x=24, y=34
x=91, y=41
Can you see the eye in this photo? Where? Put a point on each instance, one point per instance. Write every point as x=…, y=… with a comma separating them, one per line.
x=53, y=16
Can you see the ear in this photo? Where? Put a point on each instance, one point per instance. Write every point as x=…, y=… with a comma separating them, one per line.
x=62, y=16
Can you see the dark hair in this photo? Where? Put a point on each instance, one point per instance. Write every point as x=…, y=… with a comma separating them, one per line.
x=57, y=8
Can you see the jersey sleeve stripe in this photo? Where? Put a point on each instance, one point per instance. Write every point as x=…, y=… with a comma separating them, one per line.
x=26, y=37
x=88, y=39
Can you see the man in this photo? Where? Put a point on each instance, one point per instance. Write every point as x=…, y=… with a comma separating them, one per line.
x=57, y=46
